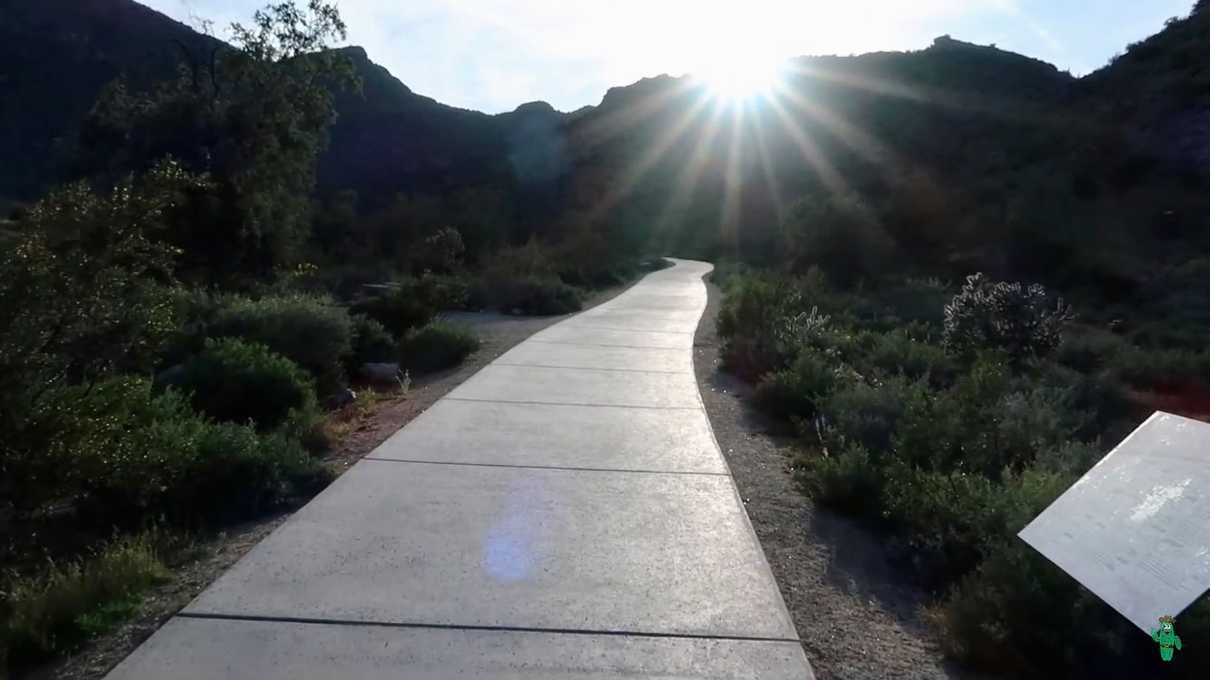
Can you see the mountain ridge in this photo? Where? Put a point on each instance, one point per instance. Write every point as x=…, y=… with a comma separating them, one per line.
x=971, y=126
x=112, y=38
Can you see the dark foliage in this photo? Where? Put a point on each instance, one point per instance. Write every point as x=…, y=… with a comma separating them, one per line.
x=372, y=343
x=310, y=331
x=414, y=301
x=435, y=347
x=951, y=454
x=83, y=289
x=240, y=382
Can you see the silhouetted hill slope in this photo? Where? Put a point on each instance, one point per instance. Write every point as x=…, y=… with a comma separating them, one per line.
x=56, y=56
x=389, y=140
x=1160, y=87
x=964, y=157
x=860, y=123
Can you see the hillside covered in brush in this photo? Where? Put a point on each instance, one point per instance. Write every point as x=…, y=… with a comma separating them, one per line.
x=950, y=159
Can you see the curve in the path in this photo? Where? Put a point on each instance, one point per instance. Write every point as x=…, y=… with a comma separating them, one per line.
x=564, y=513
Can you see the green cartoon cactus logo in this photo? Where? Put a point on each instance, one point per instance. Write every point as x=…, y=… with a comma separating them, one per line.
x=1166, y=636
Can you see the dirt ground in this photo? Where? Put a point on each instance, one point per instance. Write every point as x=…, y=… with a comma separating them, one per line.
x=855, y=618
x=363, y=431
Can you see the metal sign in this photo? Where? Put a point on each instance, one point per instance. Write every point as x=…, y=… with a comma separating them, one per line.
x=1135, y=530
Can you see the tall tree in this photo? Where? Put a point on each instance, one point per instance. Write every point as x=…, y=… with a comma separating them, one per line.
x=254, y=118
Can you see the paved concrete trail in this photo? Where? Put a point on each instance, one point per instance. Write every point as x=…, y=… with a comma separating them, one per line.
x=565, y=513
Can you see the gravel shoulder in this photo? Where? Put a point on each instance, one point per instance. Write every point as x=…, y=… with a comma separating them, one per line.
x=856, y=619
x=208, y=557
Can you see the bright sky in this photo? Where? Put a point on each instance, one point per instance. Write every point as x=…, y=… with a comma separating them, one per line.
x=493, y=55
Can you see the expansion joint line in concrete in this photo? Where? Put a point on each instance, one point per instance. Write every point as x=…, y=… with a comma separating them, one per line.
x=567, y=403
x=549, y=467
x=597, y=344
x=629, y=330
x=591, y=368
x=451, y=626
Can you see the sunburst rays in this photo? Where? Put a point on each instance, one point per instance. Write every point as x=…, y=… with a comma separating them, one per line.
x=745, y=142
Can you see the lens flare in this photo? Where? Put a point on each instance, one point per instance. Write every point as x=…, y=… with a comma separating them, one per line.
x=741, y=76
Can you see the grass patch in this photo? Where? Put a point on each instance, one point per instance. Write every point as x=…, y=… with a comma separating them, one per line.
x=57, y=610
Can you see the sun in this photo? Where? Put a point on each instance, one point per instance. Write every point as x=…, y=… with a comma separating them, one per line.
x=741, y=76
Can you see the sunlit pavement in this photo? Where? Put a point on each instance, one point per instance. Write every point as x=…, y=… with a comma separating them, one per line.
x=565, y=513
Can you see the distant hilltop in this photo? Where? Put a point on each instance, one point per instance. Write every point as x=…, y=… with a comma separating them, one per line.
x=947, y=41
x=949, y=44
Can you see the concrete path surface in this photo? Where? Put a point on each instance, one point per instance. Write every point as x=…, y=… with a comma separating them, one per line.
x=564, y=513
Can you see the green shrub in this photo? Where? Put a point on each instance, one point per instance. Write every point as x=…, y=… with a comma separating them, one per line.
x=398, y=311
x=134, y=448
x=202, y=474
x=437, y=346
x=130, y=453
x=440, y=252
x=1031, y=419
x=755, y=309
x=84, y=297
x=533, y=259
x=987, y=615
x=1069, y=458
x=865, y=414
x=727, y=272
x=446, y=292
x=57, y=610
x=526, y=279
x=529, y=295
x=347, y=279
x=1089, y=351
x=1161, y=368
x=986, y=423
x=839, y=233
x=986, y=380
x=897, y=353
x=1021, y=320
x=194, y=310
x=917, y=301
x=849, y=481
x=372, y=343
x=1021, y=614
x=583, y=258
x=308, y=428
x=236, y=474
x=308, y=330
x=753, y=303
x=795, y=391
x=237, y=381
x=932, y=433
x=415, y=302
x=949, y=520
x=793, y=333
x=76, y=437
